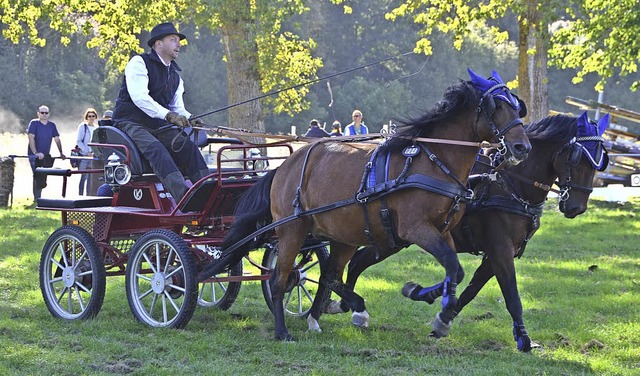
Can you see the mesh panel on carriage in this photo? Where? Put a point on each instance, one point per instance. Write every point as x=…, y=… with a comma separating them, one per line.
x=111, y=135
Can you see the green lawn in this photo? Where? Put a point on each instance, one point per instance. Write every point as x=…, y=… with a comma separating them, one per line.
x=587, y=321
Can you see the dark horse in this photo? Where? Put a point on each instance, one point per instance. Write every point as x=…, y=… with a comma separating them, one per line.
x=313, y=192
x=506, y=214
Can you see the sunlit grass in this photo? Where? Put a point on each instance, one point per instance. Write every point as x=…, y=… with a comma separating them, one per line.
x=568, y=308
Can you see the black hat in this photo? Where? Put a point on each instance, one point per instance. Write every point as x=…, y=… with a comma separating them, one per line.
x=314, y=123
x=162, y=31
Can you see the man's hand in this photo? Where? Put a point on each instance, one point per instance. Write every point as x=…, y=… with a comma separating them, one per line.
x=196, y=122
x=179, y=120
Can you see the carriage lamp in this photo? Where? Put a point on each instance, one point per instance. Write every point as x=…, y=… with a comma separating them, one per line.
x=257, y=164
x=116, y=173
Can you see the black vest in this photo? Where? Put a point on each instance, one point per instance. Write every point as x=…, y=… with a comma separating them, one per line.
x=163, y=84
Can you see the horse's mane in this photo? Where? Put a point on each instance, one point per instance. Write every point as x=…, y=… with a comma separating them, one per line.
x=457, y=99
x=552, y=129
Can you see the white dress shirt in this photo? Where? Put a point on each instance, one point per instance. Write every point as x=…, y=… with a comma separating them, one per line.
x=137, y=78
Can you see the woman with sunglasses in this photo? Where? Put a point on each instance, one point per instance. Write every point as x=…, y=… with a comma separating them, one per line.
x=85, y=131
x=357, y=126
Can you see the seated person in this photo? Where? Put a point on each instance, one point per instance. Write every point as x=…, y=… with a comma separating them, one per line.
x=150, y=109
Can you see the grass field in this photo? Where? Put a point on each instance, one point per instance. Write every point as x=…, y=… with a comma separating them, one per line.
x=579, y=281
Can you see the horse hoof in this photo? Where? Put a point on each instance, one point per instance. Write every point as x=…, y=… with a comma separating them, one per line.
x=440, y=328
x=314, y=326
x=334, y=307
x=360, y=319
x=524, y=344
x=408, y=288
x=416, y=292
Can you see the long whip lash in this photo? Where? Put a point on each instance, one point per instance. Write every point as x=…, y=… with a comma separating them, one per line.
x=302, y=84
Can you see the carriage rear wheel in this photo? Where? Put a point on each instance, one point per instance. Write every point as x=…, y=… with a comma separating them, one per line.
x=220, y=295
x=304, y=277
x=161, y=284
x=72, y=274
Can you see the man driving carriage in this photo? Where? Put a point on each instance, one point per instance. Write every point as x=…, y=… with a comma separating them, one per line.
x=150, y=109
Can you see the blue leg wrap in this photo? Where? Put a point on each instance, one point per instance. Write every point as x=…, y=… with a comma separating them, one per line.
x=416, y=292
x=521, y=337
x=446, y=291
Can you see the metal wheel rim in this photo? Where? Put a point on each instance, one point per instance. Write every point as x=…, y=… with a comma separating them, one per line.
x=215, y=290
x=299, y=300
x=70, y=296
x=151, y=293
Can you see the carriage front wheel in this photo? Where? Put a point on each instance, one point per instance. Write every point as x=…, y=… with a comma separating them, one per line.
x=72, y=274
x=221, y=295
x=161, y=280
x=304, y=278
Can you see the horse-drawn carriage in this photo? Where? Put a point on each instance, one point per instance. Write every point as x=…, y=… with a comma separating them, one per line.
x=159, y=245
x=412, y=191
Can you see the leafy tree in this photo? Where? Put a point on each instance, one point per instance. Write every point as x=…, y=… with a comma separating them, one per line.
x=260, y=55
x=462, y=18
x=599, y=37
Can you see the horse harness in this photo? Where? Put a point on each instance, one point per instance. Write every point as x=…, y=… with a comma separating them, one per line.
x=375, y=183
x=517, y=205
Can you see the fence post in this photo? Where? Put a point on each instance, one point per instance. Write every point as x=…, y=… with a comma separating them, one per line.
x=7, y=169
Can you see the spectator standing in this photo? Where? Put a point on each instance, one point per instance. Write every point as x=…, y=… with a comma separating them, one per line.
x=85, y=131
x=40, y=132
x=336, y=129
x=357, y=126
x=315, y=130
x=107, y=119
x=150, y=108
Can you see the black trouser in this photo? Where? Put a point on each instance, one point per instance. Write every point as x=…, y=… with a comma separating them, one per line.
x=170, y=154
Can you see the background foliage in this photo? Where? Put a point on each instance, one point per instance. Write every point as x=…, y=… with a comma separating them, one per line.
x=68, y=76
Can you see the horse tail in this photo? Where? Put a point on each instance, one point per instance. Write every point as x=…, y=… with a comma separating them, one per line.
x=252, y=211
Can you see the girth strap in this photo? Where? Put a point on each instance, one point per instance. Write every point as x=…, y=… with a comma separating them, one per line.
x=506, y=204
x=419, y=181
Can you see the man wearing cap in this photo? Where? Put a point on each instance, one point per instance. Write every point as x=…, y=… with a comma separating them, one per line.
x=107, y=119
x=150, y=109
x=315, y=130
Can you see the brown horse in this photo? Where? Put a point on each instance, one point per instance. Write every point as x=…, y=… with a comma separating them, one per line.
x=499, y=223
x=313, y=192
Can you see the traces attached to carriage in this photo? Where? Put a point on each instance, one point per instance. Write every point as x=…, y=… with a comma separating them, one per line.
x=158, y=244
x=178, y=255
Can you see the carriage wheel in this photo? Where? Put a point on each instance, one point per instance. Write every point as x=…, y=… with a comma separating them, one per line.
x=220, y=295
x=72, y=274
x=162, y=289
x=304, y=277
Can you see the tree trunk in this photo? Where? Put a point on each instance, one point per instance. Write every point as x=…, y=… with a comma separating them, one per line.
x=532, y=68
x=241, y=53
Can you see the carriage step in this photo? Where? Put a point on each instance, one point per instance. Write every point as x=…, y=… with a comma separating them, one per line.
x=75, y=203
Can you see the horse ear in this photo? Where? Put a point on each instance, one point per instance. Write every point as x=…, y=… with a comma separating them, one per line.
x=583, y=123
x=603, y=124
x=478, y=81
x=495, y=75
x=523, y=108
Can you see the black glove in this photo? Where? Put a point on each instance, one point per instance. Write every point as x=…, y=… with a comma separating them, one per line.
x=196, y=122
x=175, y=118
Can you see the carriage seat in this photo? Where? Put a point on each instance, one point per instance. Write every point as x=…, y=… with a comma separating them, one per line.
x=137, y=163
x=112, y=135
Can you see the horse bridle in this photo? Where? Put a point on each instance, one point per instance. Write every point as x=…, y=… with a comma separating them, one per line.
x=487, y=106
x=574, y=156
